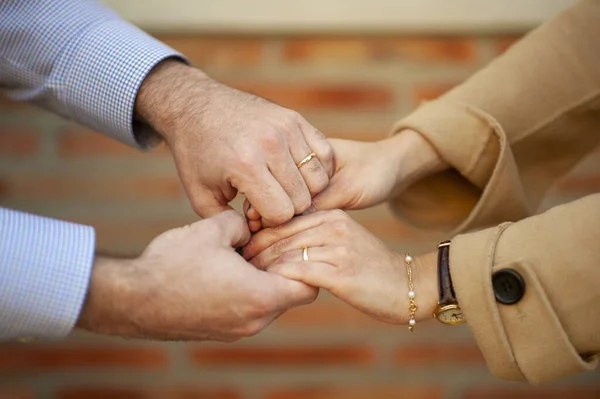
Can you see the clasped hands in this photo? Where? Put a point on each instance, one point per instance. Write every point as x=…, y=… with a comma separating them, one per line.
x=191, y=284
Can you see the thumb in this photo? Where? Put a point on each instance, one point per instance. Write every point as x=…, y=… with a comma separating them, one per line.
x=285, y=293
x=332, y=197
x=232, y=227
x=207, y=202
x=317, y=274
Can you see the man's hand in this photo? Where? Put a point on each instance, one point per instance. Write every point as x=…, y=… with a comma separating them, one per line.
x=369, y=173
x=189, y=284
x=225, y=141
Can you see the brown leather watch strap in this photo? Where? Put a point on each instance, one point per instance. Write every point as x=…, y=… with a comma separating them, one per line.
x=445, y=287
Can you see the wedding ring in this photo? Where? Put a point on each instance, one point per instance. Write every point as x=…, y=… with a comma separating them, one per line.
x=306, y=160
x=305, y=254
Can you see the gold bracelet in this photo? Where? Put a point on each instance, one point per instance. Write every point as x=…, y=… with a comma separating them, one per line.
x=412, y=305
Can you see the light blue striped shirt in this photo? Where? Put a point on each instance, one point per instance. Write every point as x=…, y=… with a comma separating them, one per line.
x=80, y=60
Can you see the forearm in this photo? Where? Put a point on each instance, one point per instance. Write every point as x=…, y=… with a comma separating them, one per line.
x=107, y=306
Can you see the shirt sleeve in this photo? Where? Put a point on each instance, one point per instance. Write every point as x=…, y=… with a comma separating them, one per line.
x=45, y=267
x=78, y=59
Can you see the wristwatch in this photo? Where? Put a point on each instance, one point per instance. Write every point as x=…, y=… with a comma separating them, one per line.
x=447, y=311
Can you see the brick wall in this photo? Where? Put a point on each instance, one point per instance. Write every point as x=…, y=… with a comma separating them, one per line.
x=351, y=87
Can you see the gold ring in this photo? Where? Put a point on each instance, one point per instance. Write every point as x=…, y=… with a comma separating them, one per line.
x=306, y=160
x=305, y=254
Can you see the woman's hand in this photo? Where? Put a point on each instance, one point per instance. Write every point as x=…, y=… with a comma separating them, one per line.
x=347, y=260
x=369, y=173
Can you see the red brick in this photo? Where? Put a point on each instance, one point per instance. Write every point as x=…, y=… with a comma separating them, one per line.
x=132, y=188
x=360, y=392
x=15, y=393
x=86, y=143
x=17, y=142
x=426, y=355
x=504, y=43
x=359, y=50
x=430, y=92
x=351, y=96
x=3, y=189
x=358, y=135
x=327, y=314
x=579, y=184
x=528, y=392
x=217, y=51
x=10, y=105
x=147, y=393
x=390, y=229
x=275, y=355
x=15, y=358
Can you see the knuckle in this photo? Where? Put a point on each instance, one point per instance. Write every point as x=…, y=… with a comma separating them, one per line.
x=338, y=214
x=339, y=227
x=320, y=181
x=326, y=153
x=343, y=252
x=287, y=256
x=294, y=116
x=247, y=160
x=281, y=246
x=303, y=203
x=282, y=216
x=252, y=328
x=272, y=140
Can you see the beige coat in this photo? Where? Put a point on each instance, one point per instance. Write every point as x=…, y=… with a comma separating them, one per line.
x=510, y=131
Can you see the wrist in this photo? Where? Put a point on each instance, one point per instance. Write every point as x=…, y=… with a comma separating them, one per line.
x=166, y=93
x=105, y=309
x=415, y=158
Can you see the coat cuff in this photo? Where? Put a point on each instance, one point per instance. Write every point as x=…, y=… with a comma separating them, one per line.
x=518, y=341
x=475, y=145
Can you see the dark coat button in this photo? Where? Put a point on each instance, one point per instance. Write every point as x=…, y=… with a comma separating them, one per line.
x=509, y=286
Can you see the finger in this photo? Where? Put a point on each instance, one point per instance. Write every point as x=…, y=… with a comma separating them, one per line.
x=231, y=227
x=291, y=293
x=332, y=197
x=270, y=200
x=313, y=238
x=249, y=211
x=316, y=274
x=206, y=203
x=320, y=145
x=254, y=225
x=269, y=236
x=334, y=255
x=312, y=172
x=286, y=172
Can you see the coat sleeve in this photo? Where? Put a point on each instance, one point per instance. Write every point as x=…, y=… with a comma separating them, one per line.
x=508, y=133
x=512, y=129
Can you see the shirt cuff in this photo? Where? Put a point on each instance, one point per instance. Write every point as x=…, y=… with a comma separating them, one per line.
x=45, y=267
x=101, y=76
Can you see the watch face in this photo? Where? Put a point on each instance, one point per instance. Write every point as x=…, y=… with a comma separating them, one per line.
x=450, y=315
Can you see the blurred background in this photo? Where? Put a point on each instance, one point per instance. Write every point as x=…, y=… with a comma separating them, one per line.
x=352, y=68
